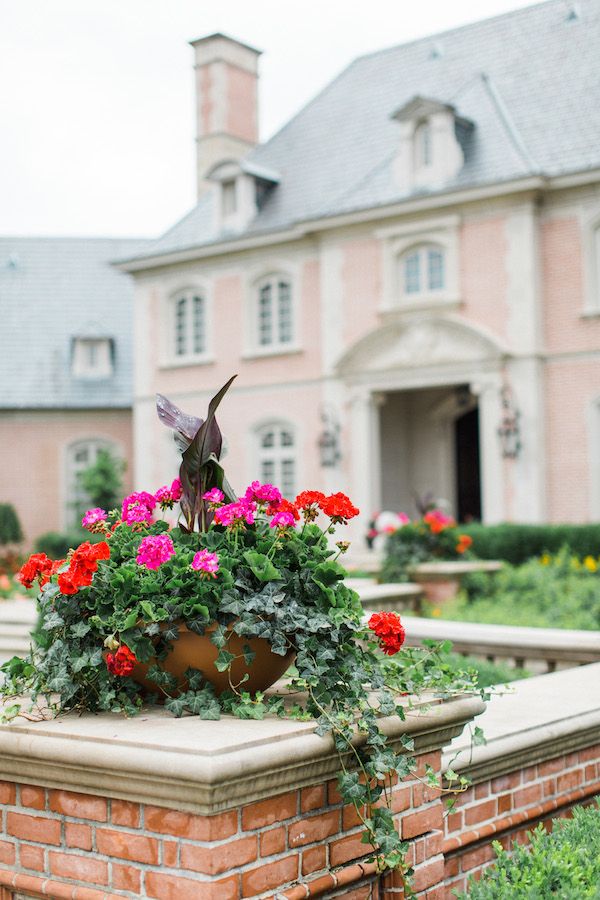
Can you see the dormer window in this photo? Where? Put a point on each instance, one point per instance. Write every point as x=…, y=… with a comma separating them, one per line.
x=92, y=358
x=423, y=145
x=229, y=198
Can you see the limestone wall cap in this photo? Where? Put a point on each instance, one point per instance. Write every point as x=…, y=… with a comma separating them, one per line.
x=200, y=766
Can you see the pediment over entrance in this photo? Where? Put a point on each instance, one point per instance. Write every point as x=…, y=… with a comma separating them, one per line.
x=419, y=343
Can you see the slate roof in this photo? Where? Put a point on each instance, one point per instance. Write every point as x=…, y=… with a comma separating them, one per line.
x=52, y=290
x=528, y=80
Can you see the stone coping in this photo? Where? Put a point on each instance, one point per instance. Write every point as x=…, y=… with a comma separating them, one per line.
x=454, y=567
x=199, y=766
x=483, y=640
x=537, y=719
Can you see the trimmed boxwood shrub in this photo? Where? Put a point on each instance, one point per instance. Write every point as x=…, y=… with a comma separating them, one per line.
x=564, y=864
x=518, y=543
x=56, y=545
x=10, y=527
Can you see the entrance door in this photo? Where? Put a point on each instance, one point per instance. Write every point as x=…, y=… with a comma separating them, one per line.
x=468, y=481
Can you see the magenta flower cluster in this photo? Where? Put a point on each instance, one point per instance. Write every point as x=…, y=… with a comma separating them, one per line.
x=154, y=550
x=206, y=562
x=166, y=496
x=94, y=518
x=282, y=520
x=262, y=494
x=214, y=496
x=241, y=512
x=138, y=508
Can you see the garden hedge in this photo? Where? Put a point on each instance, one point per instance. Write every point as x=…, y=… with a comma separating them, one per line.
x=518, y=543
x=564, y=864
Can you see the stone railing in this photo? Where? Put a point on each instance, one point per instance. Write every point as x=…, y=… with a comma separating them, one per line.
x=103, y=807
x=542, y=756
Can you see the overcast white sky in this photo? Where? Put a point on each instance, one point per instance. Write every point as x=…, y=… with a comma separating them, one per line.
x=97, y=131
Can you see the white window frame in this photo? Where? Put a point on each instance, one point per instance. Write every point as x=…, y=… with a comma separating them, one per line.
x=254, y=346
x=92, y=358
x=399, y=242
x=278, y=455
x=423, y=145
x=591, y=254
x=69, y=494
x=189, y=357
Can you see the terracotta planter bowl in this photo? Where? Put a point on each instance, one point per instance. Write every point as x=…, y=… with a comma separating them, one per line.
x=197, y=651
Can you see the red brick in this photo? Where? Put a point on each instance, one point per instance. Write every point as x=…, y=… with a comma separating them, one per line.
x=549, y=787
x=126, y=878
x=31, y=857
x=401, y=799
x=422, y=821
x=454, y=822
x=591, y=772
x=215, y=860
x=136, y=847
x=482, y=790
x=527, y=796
x=451, y=866
x=428, y=875
x=33, y=828
x=351, y=817
x=312, y=798
x=529, y=773
x=195, y=828
x=7, y=853
x=481, y=812
x=347, y=848
x=504, y=803
x=270, y=876
x=506, y=782
x=333, y=795
x=77, y=835
x=552, y=766
x=269, y=811
x=474, y=858
x=589, y=754
x=170, y=853
x=317, y=828
x=8, y=793
x=433, y=844
x=569, y=780
x=424, y=793
x=428, y=759
x=314, y=860
x=79, y=868
x=32, y=796
x=360, y=893
x=272, y=842
x=173, y=887
x=122, y=812
x=82, y=806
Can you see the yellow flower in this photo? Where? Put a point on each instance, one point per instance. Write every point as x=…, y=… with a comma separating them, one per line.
x=436, y=611
x=546, y=559
x=590, y=564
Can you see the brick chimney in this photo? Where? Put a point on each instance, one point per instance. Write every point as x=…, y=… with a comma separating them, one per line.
x=226, y=101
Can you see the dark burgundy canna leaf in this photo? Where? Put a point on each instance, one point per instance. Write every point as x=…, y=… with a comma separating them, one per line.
x=184, y=426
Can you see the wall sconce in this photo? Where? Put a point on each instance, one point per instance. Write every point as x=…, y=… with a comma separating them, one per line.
x=329, y=440
x=509, y=430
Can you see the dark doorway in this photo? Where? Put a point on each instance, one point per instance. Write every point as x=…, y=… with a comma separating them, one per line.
x=468, y=480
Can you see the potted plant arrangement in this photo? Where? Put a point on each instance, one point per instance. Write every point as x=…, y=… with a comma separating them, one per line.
x=204, y=615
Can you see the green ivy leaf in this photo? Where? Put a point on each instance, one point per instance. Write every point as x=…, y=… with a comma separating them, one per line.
x=80, y=629
x=261, y=566
x=176, y=706
x=224, y=660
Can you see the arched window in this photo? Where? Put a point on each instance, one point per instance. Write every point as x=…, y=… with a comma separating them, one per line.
x=190, y=331
x=274, y=313
x=422, y=270
x=423, y=148
x=277, y=459
x=80, y=456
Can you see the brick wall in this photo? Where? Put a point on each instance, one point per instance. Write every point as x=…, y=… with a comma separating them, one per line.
x=505, y=808
x=62, y=844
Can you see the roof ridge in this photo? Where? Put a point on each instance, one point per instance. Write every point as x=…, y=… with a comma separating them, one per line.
x=457, y=28
x=508, y=123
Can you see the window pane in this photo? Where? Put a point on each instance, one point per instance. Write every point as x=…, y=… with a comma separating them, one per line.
x=288, y=473
x=423, y=145
x=228, y=193
x=285, y=312
x=180, y=317
x=267, y=471
x=412, y=274
x=286, y=439
x=435, y=268
x=268, y=439
x=198, y=325
x=265, y=316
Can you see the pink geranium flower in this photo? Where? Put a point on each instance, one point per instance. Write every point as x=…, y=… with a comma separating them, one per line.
x=155, y=550
x=166, y=496
x=94, y=518
x=262, y=493
x=214, y=496
x=282, y=520
x=236, y=514
x=206, y=563
x=138, y=507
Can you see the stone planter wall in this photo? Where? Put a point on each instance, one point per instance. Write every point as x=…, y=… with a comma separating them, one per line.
x=96, y=808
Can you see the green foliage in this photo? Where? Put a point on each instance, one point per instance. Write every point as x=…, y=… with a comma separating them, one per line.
x=487, y=674
x=416, y=543
x=564, y=864
x=551, y=592
x=102, y=481
x=518, y=543
x=57, y=544
x=10, y=527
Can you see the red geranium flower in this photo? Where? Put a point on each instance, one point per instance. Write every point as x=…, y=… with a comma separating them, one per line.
x=389, y=629
x=339, y=508
x=122, y=662
x=283, y=505
x=37, y=566
x=464, y=542
x=82, y=565
x=309, y=498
